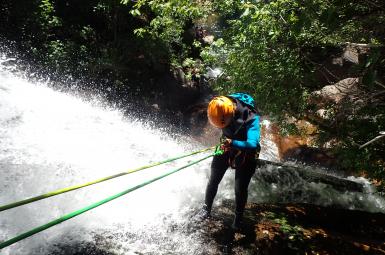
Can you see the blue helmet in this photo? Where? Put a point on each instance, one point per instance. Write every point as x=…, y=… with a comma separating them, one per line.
x=245, y=98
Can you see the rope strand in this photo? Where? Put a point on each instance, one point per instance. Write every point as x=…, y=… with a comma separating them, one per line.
x=92, y=206
x=75, y=187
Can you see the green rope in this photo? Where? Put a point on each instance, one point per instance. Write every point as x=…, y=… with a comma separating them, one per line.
x=92, y=206
x=218, y=150
x=64, y=190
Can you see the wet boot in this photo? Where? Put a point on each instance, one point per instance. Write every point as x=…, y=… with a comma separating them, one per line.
x=237, y=222
x=204, y=213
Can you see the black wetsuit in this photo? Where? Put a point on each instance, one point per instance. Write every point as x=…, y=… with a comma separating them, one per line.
x=244, y=161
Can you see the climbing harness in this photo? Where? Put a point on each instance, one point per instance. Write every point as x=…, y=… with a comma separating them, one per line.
x=92, y=206
x=64, y=190
x=237, y=157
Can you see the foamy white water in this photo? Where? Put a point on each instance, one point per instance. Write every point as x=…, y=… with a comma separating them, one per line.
x=51, y=140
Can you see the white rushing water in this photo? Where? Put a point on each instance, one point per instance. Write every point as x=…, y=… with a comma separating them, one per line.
x=51, y=140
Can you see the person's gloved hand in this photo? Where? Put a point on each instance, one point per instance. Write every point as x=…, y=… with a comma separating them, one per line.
x=226, y=144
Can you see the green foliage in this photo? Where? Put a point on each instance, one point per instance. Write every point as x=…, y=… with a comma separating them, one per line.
x=77, y=36
x=267, y=47
x=167, y=21
x=47, y=15
x=257, y=57
x=293, y=233
x=270, y=49
x=273, y=49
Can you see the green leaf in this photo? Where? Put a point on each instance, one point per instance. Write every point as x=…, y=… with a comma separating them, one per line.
x=246, y=12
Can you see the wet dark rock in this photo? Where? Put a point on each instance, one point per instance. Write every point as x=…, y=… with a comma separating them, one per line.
x=312, y=176
x=298, y=229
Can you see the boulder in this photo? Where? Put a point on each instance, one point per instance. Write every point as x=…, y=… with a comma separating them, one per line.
x=336, y=93
x=339, y=62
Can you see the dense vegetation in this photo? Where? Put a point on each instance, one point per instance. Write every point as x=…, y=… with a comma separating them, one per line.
x=277, y=50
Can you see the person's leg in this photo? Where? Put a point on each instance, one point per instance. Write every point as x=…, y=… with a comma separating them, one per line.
x=242, y=179
x=219, y=166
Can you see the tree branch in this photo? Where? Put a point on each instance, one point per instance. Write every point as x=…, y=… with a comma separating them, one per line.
x=382, y=135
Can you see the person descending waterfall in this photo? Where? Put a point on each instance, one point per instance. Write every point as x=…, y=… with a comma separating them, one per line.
x=238, y=118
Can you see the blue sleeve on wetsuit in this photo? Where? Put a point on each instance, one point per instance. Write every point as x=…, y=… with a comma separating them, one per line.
x=253, y=136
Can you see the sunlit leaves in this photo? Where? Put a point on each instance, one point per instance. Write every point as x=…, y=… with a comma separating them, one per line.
x=135, y=12
x=258, y=59
x=47, y=15
x=166, y=20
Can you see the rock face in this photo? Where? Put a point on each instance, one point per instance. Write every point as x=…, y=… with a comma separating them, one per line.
x=297, y=229
x=334, y=94
x=310, y=177
x=337, y=63
x=298, y=147
x=346, y=87
x=336, y=102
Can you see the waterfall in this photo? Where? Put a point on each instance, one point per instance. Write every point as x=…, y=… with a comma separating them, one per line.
x=50, y=140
